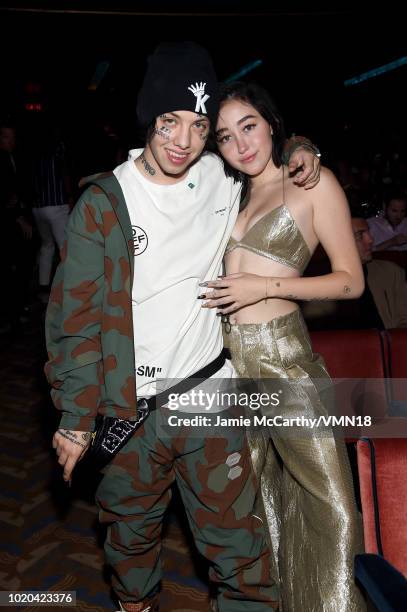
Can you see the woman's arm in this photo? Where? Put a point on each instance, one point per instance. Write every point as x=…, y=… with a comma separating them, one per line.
x=333, y=228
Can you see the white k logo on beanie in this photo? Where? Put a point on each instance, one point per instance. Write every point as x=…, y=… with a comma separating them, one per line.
x=199, y=92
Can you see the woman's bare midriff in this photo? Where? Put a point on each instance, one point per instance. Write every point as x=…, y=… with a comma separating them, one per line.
x=242, y=260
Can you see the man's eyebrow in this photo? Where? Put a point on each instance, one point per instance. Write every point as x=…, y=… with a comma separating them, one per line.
x=218, y=132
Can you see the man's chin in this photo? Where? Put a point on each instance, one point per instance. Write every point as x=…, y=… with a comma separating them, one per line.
x=175, y=172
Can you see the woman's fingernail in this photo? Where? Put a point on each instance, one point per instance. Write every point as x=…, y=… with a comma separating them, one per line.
x=201, y=297
x=204, y=305
x=204, y=284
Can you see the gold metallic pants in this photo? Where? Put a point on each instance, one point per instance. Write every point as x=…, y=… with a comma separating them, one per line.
x=306, y=490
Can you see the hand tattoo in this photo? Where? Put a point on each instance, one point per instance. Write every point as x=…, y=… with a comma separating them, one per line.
x=71, y=436
x=149, y=169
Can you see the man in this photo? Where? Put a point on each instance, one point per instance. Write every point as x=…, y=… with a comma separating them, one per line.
x=390, y=231
x=386, y=282
x=169, y=218
x=383, y=304
x=52, y=200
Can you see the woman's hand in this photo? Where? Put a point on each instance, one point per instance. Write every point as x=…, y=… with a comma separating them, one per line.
x=235, y=291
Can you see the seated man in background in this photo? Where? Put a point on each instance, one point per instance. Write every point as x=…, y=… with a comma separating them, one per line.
x=390, y=231
x=383, y=304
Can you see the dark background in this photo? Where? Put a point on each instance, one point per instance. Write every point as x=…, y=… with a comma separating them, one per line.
x=307, y=54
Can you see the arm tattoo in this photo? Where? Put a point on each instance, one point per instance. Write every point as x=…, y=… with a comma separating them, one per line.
x=71, y=436
x=149, y=169
x=86, y=436
x=321, y=299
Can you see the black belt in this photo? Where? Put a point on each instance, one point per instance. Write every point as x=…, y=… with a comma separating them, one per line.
x=112, y=433
x=185, y=385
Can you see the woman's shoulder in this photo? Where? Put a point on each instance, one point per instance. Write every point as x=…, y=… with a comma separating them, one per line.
x=327, y=179
x=326, y=195
x=327, y=187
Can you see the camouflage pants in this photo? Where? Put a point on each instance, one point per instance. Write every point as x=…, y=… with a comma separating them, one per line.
x=217, y=486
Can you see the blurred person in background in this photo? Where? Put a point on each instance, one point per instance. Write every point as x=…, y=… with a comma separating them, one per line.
x=52, y=200
x=389, y=232
x=383, y=304
x=16, y=231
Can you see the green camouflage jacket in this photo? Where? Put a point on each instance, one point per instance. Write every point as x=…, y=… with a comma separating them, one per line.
x=89, y=326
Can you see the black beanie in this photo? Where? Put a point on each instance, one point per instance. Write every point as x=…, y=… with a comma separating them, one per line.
x=180, y=76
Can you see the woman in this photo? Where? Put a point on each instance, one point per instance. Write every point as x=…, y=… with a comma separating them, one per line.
x=306, y=483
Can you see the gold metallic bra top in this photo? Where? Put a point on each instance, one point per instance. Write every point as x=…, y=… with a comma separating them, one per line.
x=276, y=236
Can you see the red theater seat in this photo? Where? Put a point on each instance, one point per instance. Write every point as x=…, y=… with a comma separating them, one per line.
x=382, y=465
x=357, y=353
x=356, y=361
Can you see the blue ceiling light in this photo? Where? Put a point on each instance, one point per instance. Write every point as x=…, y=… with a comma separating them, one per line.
x=376, y=71
x=243, y=71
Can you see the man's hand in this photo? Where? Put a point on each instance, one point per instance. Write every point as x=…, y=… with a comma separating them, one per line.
x=70, y=447
x=26, y=228
x=395, y=241
x=399, y=239
x=308, y=176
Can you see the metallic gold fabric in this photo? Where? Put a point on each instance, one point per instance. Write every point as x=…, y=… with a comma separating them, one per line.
x=276, y=236
x=306, y=489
